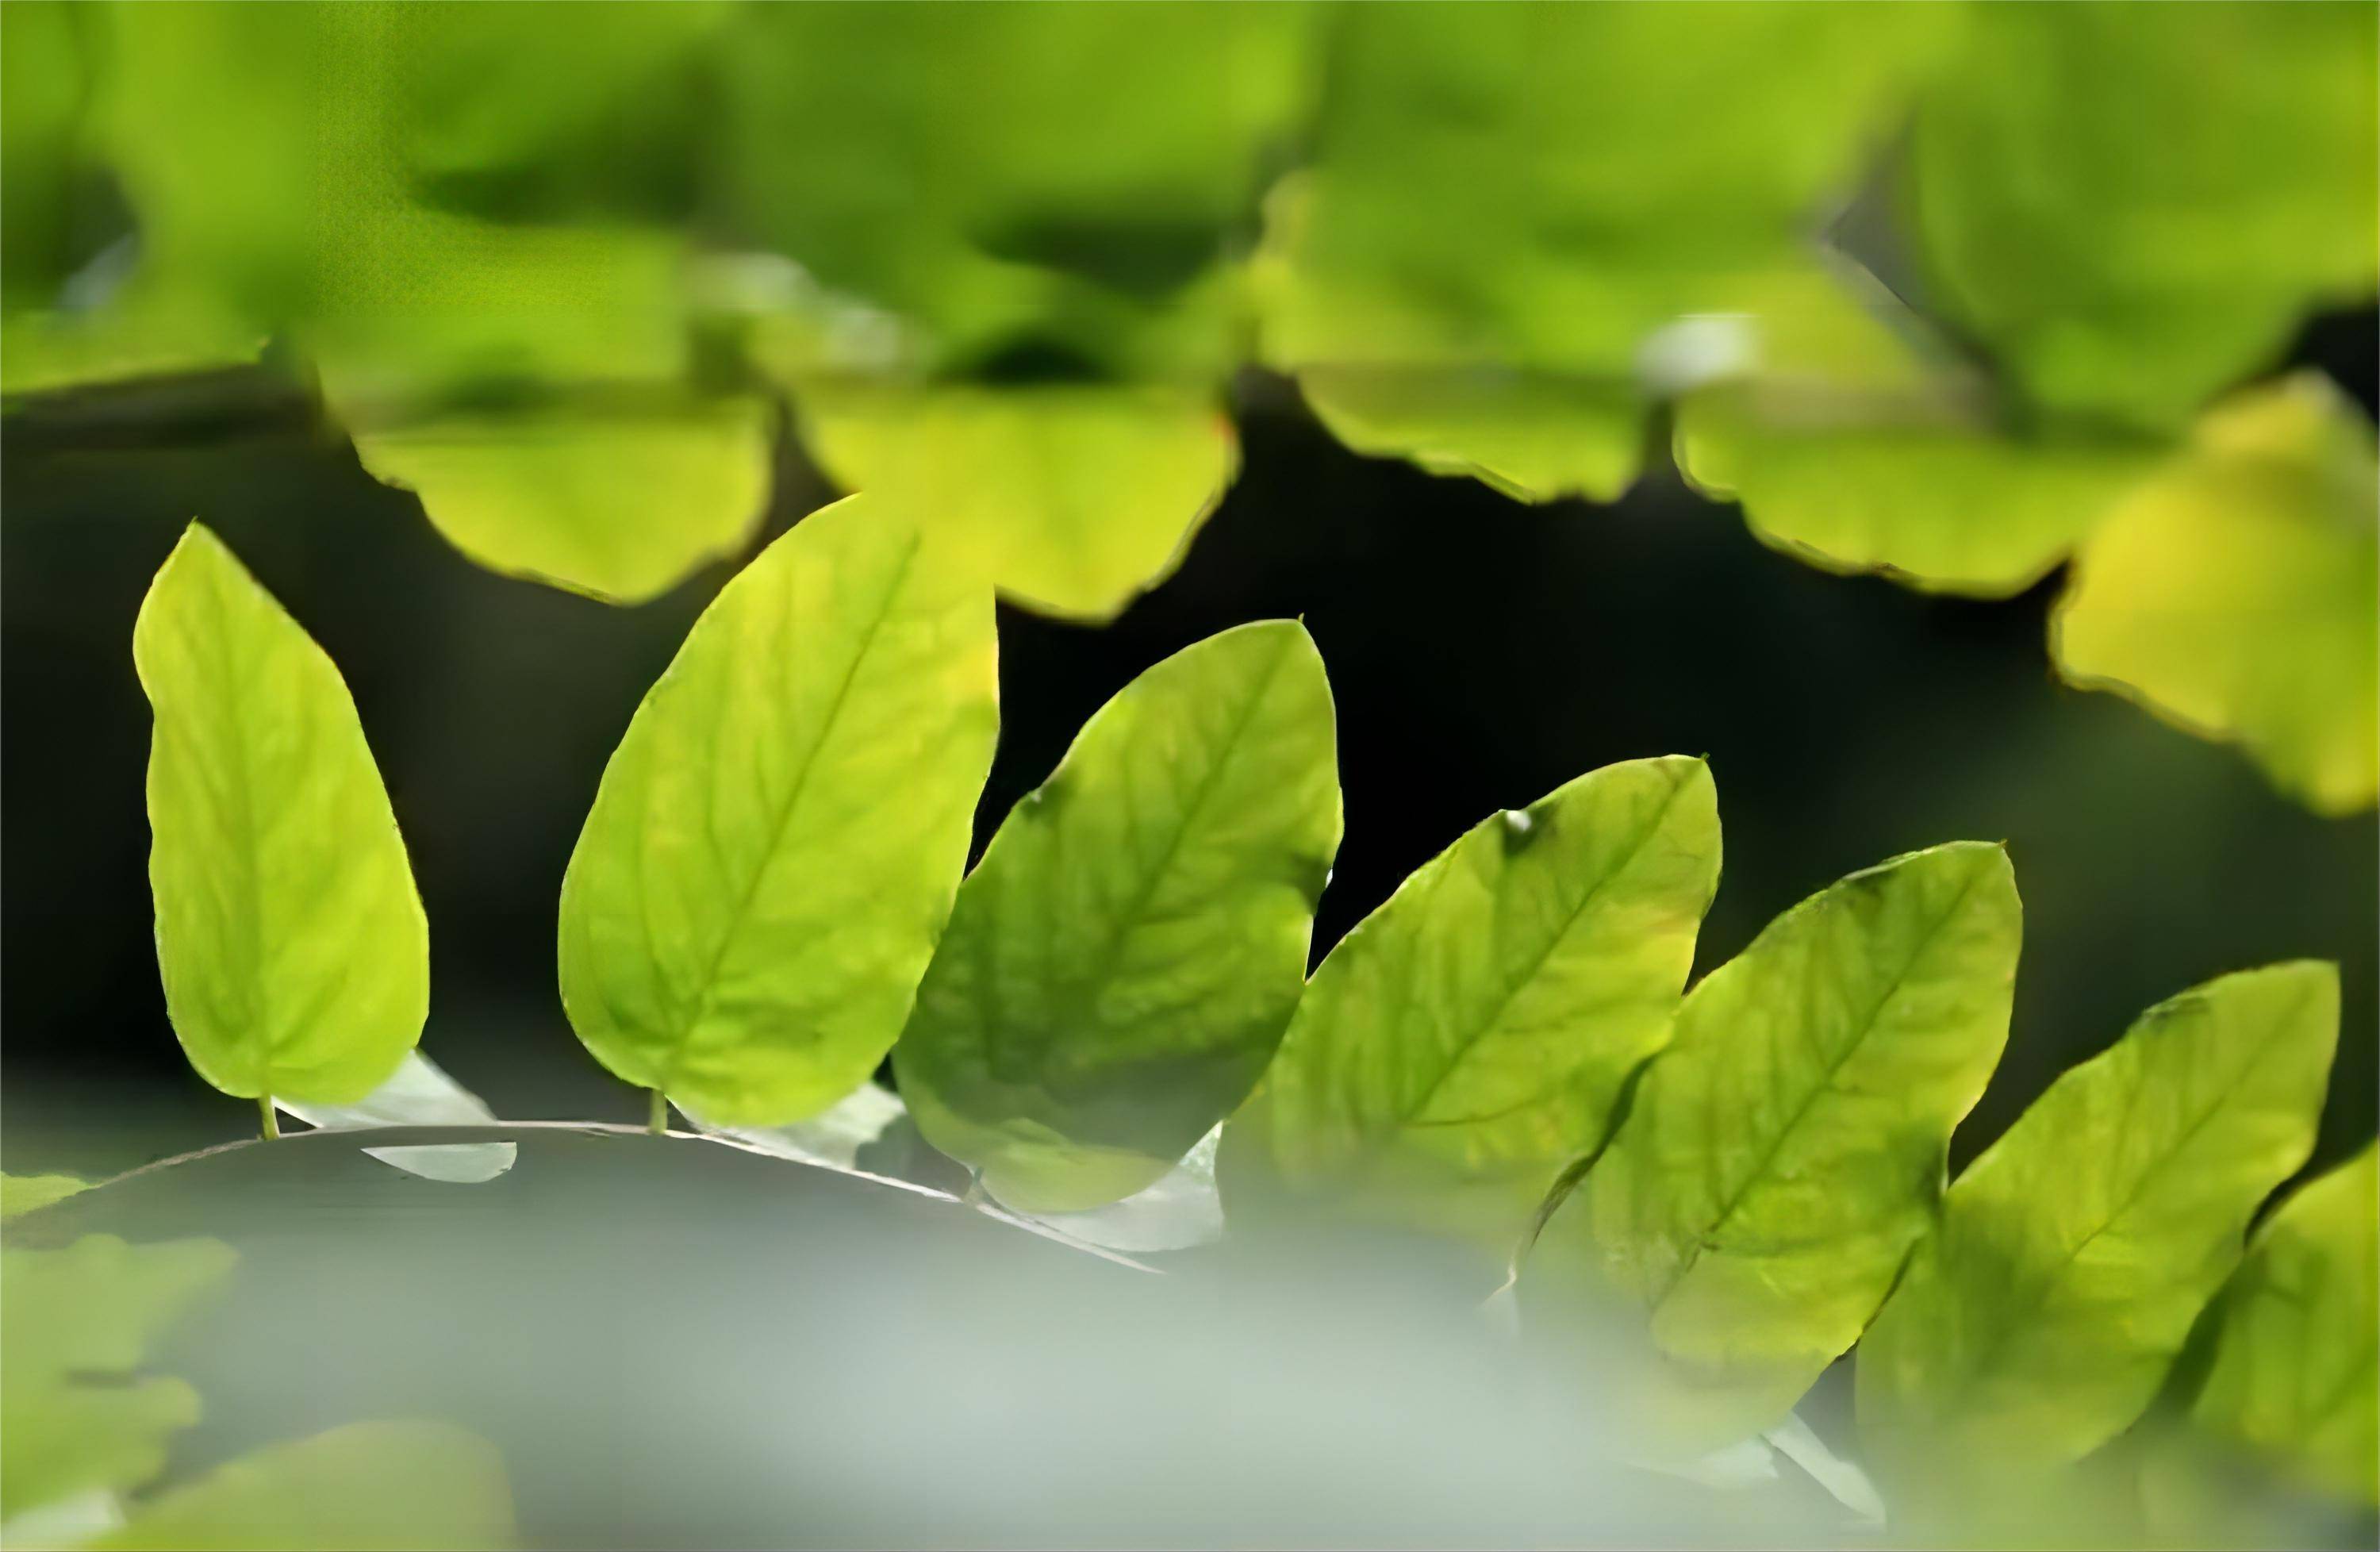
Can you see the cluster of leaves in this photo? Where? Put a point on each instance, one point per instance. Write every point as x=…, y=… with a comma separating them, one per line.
x=1951, y=293
x=1731, y=1186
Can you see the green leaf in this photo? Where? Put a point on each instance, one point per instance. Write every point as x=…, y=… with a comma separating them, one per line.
x=833, y=1138
x=75, y=1415
x=776, y=841
x=294, y=951
x=23, y=1194
x=2131, y=229
x=392, y=1485
x=1787, y=1150
x=1507, y=206
x=1120, y=965
x=618, y=507
x=2294, y=1375
x=1857, y=440
x=2042, y=1314
x=1073, y=499
x=1470, y=1037
x=2232, y=594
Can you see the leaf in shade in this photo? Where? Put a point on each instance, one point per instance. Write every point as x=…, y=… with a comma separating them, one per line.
x=1180, y=1211
x=418, y=1094
x=1120, y=966
x=2041, y=1315
x=75, y=1413
x=775, y=843
x=23, y=1193
x=428, y=1485
x=1787, y=1150
x=2233, y=592
x=1471, y=1037
x=294, y=954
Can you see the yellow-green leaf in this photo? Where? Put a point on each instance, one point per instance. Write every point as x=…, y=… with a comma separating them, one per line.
x=394, y=1485
x=2294, y=1375
x=1787, y=1150
x=1470, y=1037
x=294, y=954
x=2043, y=1312
x=1073, y=500
x=2131, y=228
x=75, y=1413
x=776, y=841
x=1120, y=965
x=2234, y=594
x=23, y=1193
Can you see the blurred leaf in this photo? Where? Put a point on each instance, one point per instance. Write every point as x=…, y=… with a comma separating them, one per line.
x=418, y=1094
x=148, y=326
x=2233, y=593
x=776, y=841
x=294, y=951
x=1120, y=965
x=45, y=70
x=1508, y=203
x=619, y=507
x=834, y=1138
x=2042, y=1314
x=23, y=1193
x=1471, y=1037
x=1180, y=1211
x=74, y=1413
x=1843, y=1480
x=395, y=1485
x=2294, y=1377
x=1787, y=1150
x=1064, y=176
x=2135, y=204
x=1857, y=442
x=1073, y=500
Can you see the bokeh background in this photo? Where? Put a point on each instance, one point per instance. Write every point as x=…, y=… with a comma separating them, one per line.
x=1482, y=652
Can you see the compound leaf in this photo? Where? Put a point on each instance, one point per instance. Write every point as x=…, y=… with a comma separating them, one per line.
x=1787, y=1150
x=1120, y=965
x=294, y=954
x=2040, y=1317
x=775, y=842
x=1471, y=1037
x=2232, y=593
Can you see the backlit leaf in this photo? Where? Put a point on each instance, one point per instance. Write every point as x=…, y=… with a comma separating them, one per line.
x=2294, y=1375
x=1073, y=499
x=2131, y=227
x=2072, y=1257
x=1120, y=965
x=2233, y=593
x=294, y=954
x=776, y=841
x=75, y=1413
x=1787, y=1150
x=1470, y=1037
x=394, y=1485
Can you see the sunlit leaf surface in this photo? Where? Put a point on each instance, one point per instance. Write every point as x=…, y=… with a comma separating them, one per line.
x=775, y=842
x=1120, y=965
x=1785, y=1152
x=293, y=950
x=2233, y=592
x=2041, y=1315
x=1470, y=1037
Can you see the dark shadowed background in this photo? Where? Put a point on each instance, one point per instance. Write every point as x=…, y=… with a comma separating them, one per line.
x=1482, y=652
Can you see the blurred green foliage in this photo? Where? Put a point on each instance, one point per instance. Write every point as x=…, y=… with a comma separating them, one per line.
x=551, y=270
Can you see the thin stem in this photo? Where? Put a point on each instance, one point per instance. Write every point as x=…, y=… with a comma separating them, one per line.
x=657, y=1122
x=271, y=1118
